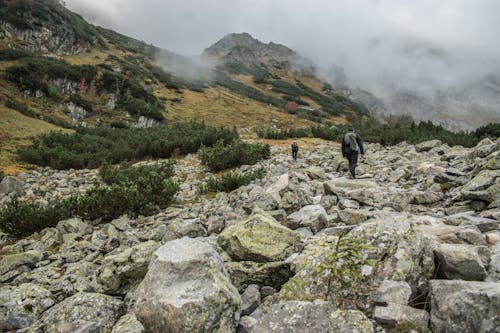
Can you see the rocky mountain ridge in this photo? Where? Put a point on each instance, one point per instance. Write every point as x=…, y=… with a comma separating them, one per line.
x=247, y=261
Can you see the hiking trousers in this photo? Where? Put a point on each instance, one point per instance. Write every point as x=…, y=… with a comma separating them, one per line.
x=352, y=157
x=294, y=155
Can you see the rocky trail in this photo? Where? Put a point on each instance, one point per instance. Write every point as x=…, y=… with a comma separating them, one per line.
x=427, y=216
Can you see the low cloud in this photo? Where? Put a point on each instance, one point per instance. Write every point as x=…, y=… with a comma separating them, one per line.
x=423, y=46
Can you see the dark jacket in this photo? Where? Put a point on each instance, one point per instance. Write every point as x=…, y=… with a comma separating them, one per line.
x=345, y=145
x=295, y=147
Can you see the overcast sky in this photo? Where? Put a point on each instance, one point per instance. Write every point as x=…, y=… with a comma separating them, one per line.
x=414, y=41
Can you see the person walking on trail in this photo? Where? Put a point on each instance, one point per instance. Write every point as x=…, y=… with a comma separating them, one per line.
x=295, y=150
x=352, y=146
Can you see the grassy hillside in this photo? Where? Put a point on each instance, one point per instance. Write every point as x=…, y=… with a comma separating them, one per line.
x=117, y=80
x=16, y=131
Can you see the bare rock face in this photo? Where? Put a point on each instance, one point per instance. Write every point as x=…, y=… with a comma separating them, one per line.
x=187, y=289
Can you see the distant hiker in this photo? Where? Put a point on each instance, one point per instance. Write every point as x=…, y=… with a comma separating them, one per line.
x=352, y=145
x=295, y=150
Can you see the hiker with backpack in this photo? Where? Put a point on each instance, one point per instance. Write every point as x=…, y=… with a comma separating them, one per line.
x=295, y=150
x=352, y=145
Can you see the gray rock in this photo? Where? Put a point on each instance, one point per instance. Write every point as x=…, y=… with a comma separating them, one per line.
x=187, y=289
x=464, y=306
x=20, y=306
x=460, y=261
x=427, y=145
x=250, y=299
x=394, y=314
x=494, y=266
x=315, y=172
x=312, y=216
x=124, y=266
x=82, y=312
x=10, y=185
x=128, y=324
x=308, y=317
x=259, y=238
x=185, y=227
x=395, y=292
x=245, y=273
x=74, y=226
x=246, y=324
x=12, y=261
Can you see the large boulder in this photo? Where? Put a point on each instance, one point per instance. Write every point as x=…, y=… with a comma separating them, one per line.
x=460, y=261
x=311, y=317
x=259, y=238
x=20, y=306
x=464, y=306
x=187, y=289
x=82, y=312
x=311, y=216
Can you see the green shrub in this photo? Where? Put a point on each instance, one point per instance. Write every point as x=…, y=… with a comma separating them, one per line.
x=13, y=54
x=118, y=124
x=21, y=108
x=134, y=192
x=89, y=148
x=221, y=157
x=24, y=218
x=230, y=181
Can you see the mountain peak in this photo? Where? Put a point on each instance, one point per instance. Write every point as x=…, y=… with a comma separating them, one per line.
x=263, y=51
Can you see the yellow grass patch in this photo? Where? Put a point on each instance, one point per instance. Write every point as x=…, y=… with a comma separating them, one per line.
x=219, y=106
x=16, y=131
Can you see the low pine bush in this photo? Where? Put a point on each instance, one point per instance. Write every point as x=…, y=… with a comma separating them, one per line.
x=90, y=148
x=221, y=157
x=128, y=190
x=230, y=181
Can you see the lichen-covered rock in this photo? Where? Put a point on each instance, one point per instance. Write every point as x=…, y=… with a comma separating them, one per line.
x=259, y=238
x=250, y=299
x=20, y=306
x=10, y=262
x=460, y=261
x=185, y=227
x=464, y=306
x=75, y=226
x=395, y=292
x=311, y=317
x=124, y=266
x=187, y=289
x=427, y=145
x=311, y=216
x=484, y=186
x=394, y=314
x=128, y=324
x=315, y=172
x=82, y=310
x=494, y=265
x=245, y=273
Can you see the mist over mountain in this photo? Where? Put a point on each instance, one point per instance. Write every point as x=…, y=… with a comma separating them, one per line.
x=442, y=53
